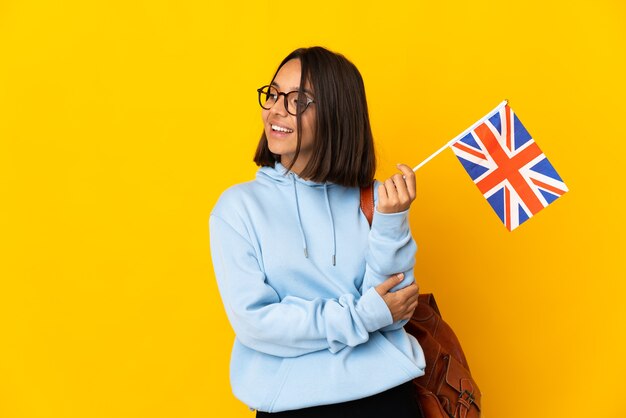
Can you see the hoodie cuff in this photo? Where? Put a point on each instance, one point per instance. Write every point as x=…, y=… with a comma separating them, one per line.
x=391, y=225
x=373, y=311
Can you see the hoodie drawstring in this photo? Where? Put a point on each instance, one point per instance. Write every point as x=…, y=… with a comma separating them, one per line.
x=332, y=224
x=330, y=216
x=295, y=193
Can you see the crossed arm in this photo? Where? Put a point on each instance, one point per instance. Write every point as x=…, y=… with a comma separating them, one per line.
x=293, y=326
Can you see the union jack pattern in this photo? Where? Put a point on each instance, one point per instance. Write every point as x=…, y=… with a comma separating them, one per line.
x=508, y=167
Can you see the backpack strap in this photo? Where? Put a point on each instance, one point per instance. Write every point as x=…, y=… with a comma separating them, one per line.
x=367, y=202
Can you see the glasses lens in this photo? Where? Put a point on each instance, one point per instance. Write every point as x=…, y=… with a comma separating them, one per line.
x=267, y=96
x=296, y=102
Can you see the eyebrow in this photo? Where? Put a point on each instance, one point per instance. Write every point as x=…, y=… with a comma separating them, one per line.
x=275, y=84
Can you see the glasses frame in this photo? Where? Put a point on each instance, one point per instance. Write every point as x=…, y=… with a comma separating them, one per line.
x=280, y=93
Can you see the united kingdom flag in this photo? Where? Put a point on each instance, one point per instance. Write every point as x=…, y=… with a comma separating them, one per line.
x=508, y=167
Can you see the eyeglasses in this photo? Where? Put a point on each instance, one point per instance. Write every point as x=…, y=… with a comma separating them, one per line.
x=295, y=101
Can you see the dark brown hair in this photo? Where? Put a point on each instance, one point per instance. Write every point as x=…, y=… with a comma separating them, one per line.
x=343, y=145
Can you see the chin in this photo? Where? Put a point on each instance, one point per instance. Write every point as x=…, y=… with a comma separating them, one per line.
x=278, y=147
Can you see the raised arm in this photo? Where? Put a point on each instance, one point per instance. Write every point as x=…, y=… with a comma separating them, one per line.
x=391, y=248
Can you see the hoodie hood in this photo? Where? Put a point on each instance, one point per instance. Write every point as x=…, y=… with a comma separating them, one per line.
x=279, y=174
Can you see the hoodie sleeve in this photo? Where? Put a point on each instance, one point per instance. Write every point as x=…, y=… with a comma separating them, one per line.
x=391, y=250
x=292, y=326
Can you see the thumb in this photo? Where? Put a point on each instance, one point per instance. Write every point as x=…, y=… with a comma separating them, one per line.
x=388, y=284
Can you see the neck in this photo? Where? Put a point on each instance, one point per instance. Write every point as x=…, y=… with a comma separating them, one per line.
x=297, y=168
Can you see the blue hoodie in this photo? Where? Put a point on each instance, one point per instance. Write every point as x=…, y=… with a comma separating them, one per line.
x=296, y=265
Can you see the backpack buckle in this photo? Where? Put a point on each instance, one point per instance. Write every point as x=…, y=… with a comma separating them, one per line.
x=469, y=399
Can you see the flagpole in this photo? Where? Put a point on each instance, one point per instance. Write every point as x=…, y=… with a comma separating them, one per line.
x=461, y=135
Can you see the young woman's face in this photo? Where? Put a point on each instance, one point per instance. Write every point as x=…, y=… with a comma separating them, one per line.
x=281, y=127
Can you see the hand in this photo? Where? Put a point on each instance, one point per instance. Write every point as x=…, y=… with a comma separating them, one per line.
x=401, y=303
x=397, y=192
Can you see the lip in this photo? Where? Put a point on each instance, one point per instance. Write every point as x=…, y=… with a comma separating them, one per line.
x=279, y=134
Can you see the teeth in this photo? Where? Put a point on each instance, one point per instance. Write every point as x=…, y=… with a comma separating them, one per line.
x=281, y=129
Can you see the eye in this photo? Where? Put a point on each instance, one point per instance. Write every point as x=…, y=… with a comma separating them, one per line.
x=271, y=96
x=298, y=99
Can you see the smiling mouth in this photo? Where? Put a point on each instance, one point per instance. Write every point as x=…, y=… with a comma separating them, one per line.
x=277, y=128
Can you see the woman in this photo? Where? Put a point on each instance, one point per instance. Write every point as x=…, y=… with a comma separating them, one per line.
x=317, y=300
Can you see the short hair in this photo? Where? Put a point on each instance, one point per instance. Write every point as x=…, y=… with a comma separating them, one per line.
x=343, y=150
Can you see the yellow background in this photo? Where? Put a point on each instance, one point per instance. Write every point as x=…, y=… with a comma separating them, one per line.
x=122, y=121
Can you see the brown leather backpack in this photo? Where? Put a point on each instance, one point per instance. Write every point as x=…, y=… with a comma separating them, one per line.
x=447, y=390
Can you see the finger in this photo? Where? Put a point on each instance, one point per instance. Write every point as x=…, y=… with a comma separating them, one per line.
x=410, y=290
x=413, y=297
x=392, y=193
x=401, y=187
x=407, y=314
x=410, y=308
x=382, y=193
x=388, y=284
x=409, y=177
x=409, y=299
